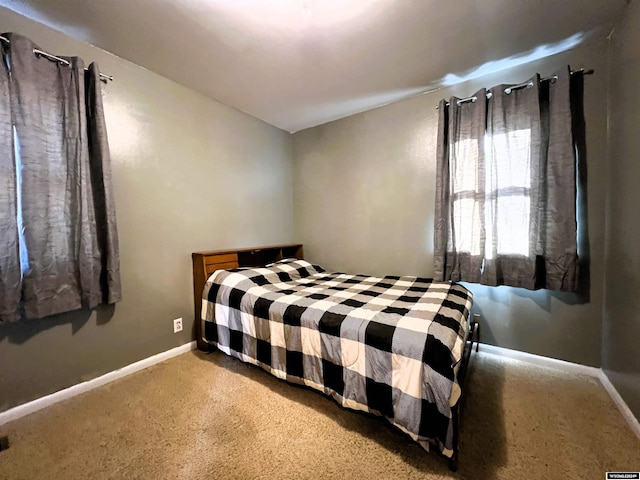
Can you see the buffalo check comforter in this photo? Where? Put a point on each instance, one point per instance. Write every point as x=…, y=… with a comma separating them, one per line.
x=385, y=345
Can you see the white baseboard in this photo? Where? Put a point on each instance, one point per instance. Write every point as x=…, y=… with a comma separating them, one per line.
x=620, y=403
x=541, y=361
x=48, y=400
x=574, y=368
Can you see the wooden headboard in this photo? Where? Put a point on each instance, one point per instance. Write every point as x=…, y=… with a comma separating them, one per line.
x=205, y=263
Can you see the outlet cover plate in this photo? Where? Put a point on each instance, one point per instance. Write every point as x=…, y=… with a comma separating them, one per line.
x=177, y=325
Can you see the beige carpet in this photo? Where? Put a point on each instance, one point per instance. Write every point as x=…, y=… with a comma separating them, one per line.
x=203, y=416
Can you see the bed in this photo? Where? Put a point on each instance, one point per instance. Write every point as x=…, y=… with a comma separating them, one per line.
x=392, y=346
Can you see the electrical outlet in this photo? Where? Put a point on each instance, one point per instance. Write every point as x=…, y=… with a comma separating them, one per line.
x=177, y=325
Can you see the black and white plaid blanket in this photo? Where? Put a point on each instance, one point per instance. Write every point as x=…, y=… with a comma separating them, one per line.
x=389, y=345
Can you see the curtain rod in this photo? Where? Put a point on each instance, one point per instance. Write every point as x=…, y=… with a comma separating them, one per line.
x=39, y=53
x=528, y=84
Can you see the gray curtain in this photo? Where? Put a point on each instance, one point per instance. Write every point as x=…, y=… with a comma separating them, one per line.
x=68, y=215
x=104, y=203
x=460, y=171
x=505, y=187
x=10, y=284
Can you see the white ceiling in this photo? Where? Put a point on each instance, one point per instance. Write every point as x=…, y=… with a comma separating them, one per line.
x=300, y=63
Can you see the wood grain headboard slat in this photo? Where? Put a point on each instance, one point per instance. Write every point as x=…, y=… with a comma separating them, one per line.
x=221, y=258
x=212, y=267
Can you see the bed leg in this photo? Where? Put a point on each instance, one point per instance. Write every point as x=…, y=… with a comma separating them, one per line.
x=453, y=462
x=203, y=346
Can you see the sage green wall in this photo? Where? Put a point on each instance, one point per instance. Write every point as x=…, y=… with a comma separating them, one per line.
x=364, y=190
x=189, y=174
x=621, y=332
x=192, y=174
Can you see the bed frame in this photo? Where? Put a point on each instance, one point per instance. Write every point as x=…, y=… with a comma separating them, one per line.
x=205, y=263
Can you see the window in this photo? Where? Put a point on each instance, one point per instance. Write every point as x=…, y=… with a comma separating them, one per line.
x=506, y=191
